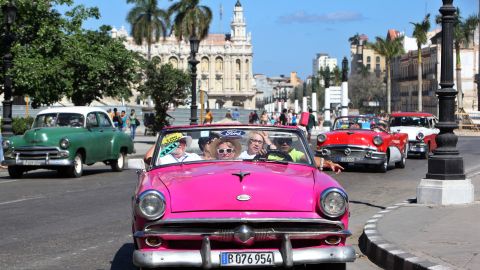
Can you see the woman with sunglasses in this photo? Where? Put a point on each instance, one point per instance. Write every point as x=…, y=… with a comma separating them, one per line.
x=226, y=148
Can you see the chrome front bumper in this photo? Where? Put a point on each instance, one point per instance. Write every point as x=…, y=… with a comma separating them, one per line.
x=415, y=147
x=206, y=258
x=37, y=163
x=352, y=154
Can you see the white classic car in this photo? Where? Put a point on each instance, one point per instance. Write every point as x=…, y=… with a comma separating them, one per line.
x=420, y=128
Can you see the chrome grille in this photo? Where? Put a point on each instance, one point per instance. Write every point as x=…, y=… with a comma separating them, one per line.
x=37, y=152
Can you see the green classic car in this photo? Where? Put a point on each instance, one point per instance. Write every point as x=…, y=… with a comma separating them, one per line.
x=65, y=139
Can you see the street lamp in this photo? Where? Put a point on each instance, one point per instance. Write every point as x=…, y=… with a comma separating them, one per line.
x=9, y=15
x=194, y=44
x=446, y=182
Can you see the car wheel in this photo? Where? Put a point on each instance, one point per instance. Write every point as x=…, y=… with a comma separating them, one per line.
x=118, y=164
x=384, y=166
x=401, y=164
x=15, y=172
x=76, y=170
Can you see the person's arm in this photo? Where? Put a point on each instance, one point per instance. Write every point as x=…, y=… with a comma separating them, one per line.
x=322, y=163
x=148, y=156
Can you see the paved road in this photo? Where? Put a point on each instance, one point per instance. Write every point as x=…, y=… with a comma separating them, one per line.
x=57, y=223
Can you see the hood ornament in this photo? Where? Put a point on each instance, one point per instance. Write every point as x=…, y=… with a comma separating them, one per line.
x=241, y=175
x=243, y=197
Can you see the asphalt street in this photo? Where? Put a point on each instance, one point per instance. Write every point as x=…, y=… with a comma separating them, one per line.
x=61, y=223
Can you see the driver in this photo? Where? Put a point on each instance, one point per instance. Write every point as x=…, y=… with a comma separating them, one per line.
x=255, y=146
x=285, y=145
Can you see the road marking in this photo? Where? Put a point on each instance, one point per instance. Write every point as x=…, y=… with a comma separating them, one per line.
x=21, y=200
x=9, y=181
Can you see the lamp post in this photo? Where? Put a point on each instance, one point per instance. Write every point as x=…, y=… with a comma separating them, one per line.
x=445, y=181
x=194, y=44
x=9, y=14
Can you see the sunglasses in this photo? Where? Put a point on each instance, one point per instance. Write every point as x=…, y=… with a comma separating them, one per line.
x=225, y=150
x=283, y=141
x=256, y=141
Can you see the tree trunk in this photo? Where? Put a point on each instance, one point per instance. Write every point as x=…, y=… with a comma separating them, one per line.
x=459, y=77
x=389, y=84
x=420, y=80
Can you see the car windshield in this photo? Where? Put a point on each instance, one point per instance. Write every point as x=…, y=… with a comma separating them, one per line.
x=409, y=121
x=234, y=143
x=58, y=120
x=359, y=122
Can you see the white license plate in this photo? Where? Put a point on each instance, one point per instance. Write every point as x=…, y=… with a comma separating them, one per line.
x=246, y=258
x=347, y=159
x=32, y=162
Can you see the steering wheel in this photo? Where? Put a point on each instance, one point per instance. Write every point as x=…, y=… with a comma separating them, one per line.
x=274, y=152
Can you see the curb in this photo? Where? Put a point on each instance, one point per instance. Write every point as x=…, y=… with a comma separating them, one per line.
x=387, y=255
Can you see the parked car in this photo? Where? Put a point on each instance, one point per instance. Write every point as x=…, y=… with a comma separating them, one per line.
x=420, y=128
x=65, y=139
x=363, y=140
x=227, y=206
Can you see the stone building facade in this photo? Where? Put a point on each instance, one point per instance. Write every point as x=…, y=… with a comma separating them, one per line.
x=225, y=69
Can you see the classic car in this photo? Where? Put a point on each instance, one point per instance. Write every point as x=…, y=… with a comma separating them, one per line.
x=420, y=128
x=237, y=196
x=363, y=140
x=65, y=139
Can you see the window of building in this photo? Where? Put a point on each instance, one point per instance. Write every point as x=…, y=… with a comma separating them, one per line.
x=237, y=66
x=205, y=66
x=219, y=65
x=173, y=61
x=369, y=59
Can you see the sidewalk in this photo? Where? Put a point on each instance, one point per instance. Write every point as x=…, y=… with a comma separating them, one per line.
x=415, y=236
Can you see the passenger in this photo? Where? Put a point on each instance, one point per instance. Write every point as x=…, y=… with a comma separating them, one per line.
x=285, y=145
x=174, y=147
x=204, y=145
x=226, y=148
x=257, y=144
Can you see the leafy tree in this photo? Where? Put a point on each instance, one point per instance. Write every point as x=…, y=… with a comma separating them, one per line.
x=56, y=58
x=148, y=22
x=420, y=31
x=99, y=66
x=337, y=76
x=190, y=19
x=388, y=48
x=364, y=88
x=165, y=84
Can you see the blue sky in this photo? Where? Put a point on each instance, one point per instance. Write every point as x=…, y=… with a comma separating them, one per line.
x=286, y=35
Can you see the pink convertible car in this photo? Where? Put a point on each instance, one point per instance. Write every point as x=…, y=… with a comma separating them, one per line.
x=238, y=196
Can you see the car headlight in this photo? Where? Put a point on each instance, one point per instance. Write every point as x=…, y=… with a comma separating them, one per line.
x=151, y=204
x=64, y=143
x=333, y=202
x=321, y=138
x=6, y=144
x=420, y=136
x=377, y=140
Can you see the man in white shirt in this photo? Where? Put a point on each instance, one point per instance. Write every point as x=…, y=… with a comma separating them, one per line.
x=256, y=142
x=179, y=143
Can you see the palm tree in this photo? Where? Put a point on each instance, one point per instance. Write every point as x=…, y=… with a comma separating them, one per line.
x=148, y=22
x=463, y=32
x=190, y=19
x=388, y=48
x=420, y=31
x=354, y=40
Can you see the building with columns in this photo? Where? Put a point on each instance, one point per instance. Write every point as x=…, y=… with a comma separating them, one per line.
x=225, y=70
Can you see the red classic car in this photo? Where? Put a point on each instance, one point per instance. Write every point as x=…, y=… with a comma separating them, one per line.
x=420, y=128
x=363, y=140
x=238, y=196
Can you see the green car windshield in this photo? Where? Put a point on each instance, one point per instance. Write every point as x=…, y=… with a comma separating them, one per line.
x=59, y=120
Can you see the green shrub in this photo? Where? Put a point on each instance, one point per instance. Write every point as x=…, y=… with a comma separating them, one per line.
x=20, y=125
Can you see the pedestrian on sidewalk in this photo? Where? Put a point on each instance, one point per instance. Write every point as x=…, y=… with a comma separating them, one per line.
x=235, y=114
x=133, y=123
x=311, y=124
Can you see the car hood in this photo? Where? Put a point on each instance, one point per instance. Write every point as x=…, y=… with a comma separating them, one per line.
x=411, y=131
x=267, y=187
x=44, y=136
x=351, y=137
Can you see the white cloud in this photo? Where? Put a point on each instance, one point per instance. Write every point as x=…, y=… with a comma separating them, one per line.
x=333, y=17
